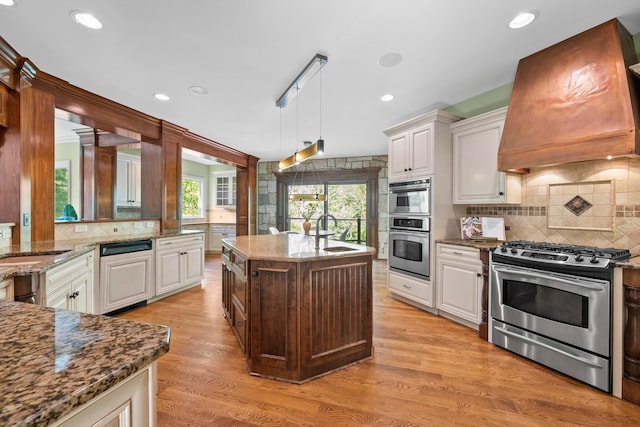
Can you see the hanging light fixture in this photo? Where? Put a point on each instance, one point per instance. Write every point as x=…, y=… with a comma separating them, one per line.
x=291, y=92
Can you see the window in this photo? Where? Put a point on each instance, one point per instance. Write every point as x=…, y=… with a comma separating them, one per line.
x=226, y=190
x=193, y=197
x=62, y=186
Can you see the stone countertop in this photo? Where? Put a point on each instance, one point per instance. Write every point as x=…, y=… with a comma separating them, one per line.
x=53, y=361
x=632, y=264
x=292, y=247
x=477, y=244
x=65, y=250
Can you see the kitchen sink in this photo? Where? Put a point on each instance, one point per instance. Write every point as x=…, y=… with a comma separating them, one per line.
x=339, y=249
x=25, y=259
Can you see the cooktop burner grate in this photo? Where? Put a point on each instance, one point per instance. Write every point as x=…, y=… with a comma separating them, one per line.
x=613, y=254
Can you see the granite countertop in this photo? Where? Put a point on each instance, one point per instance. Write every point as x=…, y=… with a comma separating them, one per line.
x=65, y=250
x=292, y=247
x=477, y=244
x=53, y=361
x=633, y=263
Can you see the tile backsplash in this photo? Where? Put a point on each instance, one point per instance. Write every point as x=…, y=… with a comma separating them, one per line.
x=84, y=230
x=530, y=221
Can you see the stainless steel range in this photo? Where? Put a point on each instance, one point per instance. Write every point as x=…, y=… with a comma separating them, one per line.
x=551, y=303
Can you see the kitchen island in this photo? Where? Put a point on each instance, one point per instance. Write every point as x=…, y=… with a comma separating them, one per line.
x=60, y=367
x=298, y=311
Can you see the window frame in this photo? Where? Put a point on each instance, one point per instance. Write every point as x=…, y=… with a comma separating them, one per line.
x=63, y=164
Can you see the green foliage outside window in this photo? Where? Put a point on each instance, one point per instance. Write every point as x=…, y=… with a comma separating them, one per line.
x=61, y=190
x=190, y=198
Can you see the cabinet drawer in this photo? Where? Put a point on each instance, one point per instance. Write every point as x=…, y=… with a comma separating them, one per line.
x=459, y=251
x=62, y=275
x=173, y=242
x=410, y=286
x=240, y=291
x=239, y=265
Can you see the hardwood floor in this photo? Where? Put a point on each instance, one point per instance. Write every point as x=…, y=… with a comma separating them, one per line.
x=426, y=371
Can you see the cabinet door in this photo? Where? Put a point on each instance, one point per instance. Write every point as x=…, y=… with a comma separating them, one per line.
x=168, y=270
x=81, y=292
x=60, y=298
x=398, y=155
x=459, y=287
x=135, y=182
x=6, y=289
x=421, y=152
x=476, y=176
x=227, y=284
x=122, y=182
x=125, y=280
x=194, y=264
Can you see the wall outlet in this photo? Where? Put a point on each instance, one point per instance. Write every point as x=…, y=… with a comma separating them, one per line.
x=7, y=233
x=115, y=229
x=80, y=228
x=150, y=224
x=138, y=225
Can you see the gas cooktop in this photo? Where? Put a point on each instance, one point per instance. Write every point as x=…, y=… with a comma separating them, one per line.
x=561, y=253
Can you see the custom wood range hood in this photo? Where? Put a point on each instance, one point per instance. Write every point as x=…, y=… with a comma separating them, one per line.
x=574, y=101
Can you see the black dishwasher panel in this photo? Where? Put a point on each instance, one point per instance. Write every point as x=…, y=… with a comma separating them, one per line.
x=108, y=249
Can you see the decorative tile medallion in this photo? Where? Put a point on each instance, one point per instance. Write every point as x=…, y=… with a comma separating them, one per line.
x=587, y=205
x=578, y=205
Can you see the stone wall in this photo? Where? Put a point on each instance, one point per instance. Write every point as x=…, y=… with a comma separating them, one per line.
x=267, y=190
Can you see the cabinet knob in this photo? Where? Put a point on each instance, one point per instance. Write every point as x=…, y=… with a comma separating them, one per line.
x=501, y=193
x=479, y=274
x=254, y=273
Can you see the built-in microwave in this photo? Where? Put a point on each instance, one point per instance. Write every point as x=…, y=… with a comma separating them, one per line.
x=410, y=197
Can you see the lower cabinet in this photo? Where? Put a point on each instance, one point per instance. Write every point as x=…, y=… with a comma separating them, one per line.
x=459, y=282
x=235, y=294
x=130, y=403
x=179, y=262
x=70, y=285
x=125, y=280
x=418, y=291
x=6, y=289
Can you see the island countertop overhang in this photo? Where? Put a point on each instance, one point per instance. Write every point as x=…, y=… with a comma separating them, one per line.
x=293, y=248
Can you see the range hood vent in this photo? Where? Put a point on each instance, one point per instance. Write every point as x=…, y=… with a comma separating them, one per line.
x=573, y=101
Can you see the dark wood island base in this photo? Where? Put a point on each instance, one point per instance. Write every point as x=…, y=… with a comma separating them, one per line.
x=298, y=312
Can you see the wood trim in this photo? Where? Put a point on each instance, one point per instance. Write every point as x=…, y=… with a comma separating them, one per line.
x=631, y=372
x=171, y=177
x=221, y=152
x=246, y=194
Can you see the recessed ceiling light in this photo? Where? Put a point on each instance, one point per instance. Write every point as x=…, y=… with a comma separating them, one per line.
x=161, y=96
x=386, y=98
x=7, y=3
x=86, y=19
x=522, y=20
x=389, y=60
x=198, y=90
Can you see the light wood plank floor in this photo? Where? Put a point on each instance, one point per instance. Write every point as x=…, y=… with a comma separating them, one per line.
x=426, y=371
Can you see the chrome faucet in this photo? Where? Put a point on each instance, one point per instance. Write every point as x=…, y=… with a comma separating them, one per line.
x=318, y=227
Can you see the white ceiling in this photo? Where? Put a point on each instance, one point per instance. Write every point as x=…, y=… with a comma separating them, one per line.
x=246, y=52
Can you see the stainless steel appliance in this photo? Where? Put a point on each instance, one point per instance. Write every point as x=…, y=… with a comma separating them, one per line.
x=410, y=197
x=551, y=303
x=409, y=245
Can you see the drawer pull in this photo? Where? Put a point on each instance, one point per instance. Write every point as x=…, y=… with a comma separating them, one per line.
x=457, y=253
x=407, y=286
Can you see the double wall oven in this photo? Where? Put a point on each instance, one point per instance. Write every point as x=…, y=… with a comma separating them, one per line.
x=409, y=222
x=552, y=303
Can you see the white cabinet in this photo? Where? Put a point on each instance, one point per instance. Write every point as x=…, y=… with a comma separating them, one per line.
x=129, y=403
x=128, y=180
x=70, y=286
x=459, y=283
x=417, y=291
x=179, y=262
x=6, y=289
x=411, y=153
x=219, y=232
x=476, y=179
x=125, y=279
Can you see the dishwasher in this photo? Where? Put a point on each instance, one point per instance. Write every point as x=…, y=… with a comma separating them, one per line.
x=126, y=274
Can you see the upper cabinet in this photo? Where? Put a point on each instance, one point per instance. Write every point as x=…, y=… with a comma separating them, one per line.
x=4, y=105
x=411, y=153
x=411, y=146
x=476, y=179
x=128, y=180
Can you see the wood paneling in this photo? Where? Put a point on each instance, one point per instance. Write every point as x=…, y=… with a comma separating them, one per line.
x=105, y=179
x=10, y=165
x=171, y=177
x=631, y=379
x=246, y=195
x=37, y=164
x=4, y=106
x=426, y=371
x=151, y=158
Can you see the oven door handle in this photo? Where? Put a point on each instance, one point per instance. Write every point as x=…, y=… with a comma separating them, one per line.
x=548, y=347
x=578, y=282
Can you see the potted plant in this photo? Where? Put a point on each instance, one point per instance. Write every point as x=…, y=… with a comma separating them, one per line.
x=307, y=212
